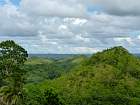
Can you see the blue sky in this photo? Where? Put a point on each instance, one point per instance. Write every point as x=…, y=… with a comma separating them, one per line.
x=71, y=26
x=15, y=2
x=2, y=2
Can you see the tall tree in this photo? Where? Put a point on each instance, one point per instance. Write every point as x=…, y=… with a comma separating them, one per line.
x=12, y=58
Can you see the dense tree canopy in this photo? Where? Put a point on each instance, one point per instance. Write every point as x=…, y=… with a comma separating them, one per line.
x=12, y=58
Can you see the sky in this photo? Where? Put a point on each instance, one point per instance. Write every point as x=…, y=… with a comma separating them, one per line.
x=71, y=26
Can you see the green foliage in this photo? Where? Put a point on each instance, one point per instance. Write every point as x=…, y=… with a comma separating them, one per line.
x=12, y=57
x=51, y=98
x=117, y=57
x=110, y=77
x=53, y=74
x=38, y=97
x=9, y=50
x=120, y=58
x=40, y=69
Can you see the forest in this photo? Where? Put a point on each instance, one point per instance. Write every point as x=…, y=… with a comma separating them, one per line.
x=109, y=77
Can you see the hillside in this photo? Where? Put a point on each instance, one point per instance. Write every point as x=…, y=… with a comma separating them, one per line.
x=38, y=60
x=110, y=77
x=120, y=58
x=40, y=69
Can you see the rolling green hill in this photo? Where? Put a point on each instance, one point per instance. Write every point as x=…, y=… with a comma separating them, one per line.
x=119, y=58
x=38, y=60
x=40, y=69
x=110, y=77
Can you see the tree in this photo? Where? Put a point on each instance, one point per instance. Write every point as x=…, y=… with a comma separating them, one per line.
x=51, y=98
x=35, y=96
x=53, y=74
x=12, y=58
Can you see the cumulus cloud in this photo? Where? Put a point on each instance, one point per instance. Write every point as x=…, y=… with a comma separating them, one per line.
x=120, y=7
x=60, y=8
x=69, y=26
x=12, y=22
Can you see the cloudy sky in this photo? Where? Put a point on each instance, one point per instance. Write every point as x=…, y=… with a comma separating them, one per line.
x=71, y=26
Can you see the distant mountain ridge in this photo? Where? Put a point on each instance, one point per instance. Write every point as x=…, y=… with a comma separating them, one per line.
x=61, y=56
x=56, y=56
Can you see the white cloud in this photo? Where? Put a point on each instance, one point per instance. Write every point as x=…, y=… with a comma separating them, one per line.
x=66, y=26
x=84, y=50
x=120, y=7
x=79, y=21
x=53, y=8
x=138, y=37
x=127, y=40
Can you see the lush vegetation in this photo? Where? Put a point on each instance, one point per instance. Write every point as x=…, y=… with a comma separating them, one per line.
x=12, y=58
x=40, y=69
x=110, y=77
